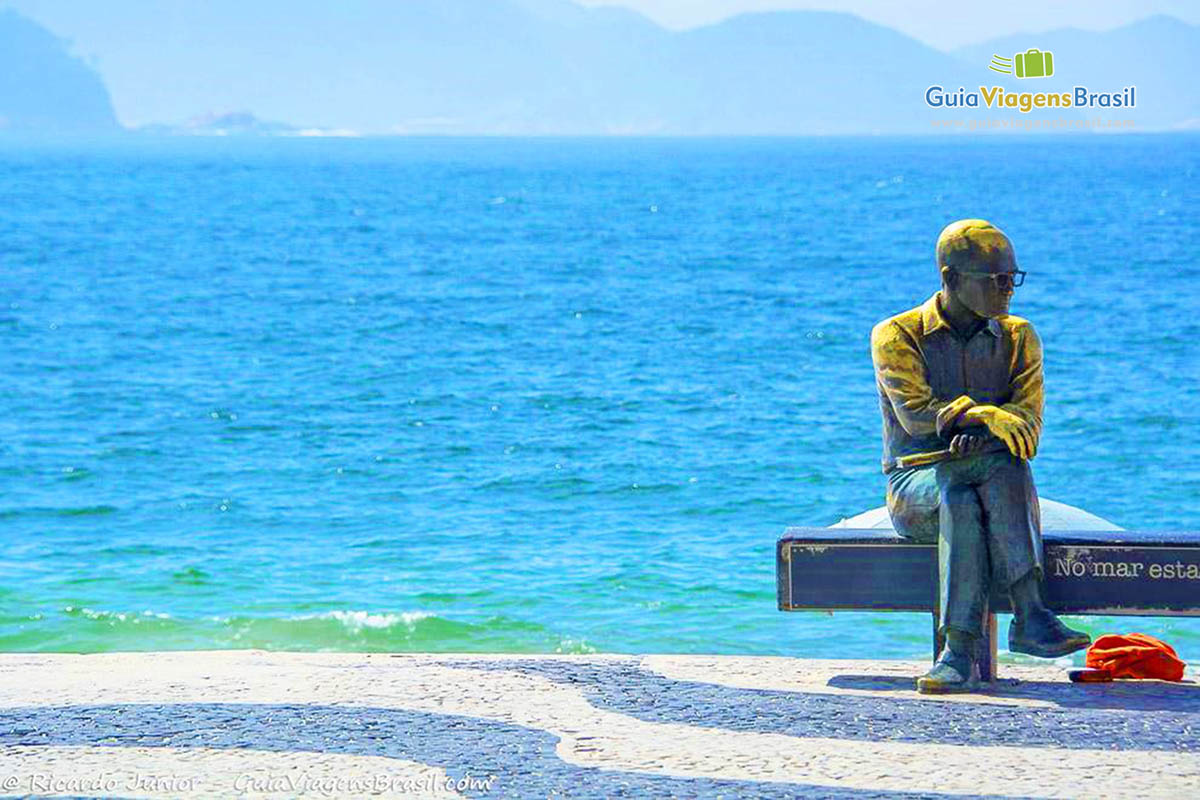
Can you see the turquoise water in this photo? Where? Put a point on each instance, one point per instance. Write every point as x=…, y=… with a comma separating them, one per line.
x=536, y=395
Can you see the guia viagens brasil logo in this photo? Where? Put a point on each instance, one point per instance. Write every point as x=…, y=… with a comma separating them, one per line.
x=1033, y=63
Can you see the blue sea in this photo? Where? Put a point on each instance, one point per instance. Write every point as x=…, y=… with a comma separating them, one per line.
x=537, y=395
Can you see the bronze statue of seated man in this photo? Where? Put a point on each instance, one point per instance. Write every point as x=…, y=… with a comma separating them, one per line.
x=960, y=374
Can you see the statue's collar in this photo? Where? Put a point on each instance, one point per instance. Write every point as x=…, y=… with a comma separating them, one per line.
x=932, y=319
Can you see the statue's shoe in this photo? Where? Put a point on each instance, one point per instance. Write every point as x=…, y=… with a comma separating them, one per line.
x=1044, y=635
x=951, y=673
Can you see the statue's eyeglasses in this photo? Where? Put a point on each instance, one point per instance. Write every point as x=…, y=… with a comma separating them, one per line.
x=1003, y=280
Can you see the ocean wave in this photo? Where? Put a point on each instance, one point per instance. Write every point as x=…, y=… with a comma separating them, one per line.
x=79, y=511
x=357, y=620
x=84, y=629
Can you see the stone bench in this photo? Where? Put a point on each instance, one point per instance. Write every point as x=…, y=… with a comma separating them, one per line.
x=1103, y=573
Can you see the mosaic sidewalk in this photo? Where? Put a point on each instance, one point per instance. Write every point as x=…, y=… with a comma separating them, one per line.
x=261, y=724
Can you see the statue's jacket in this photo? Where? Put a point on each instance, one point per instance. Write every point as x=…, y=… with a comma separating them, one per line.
x=928, y=376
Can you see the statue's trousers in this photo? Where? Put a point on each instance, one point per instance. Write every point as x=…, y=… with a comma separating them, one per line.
x=982, y=511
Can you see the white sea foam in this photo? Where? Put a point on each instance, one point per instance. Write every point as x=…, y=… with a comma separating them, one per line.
x=357, y=620
x=325, y=133
x=116, y=616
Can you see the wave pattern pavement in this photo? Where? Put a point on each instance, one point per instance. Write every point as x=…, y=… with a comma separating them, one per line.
x=222, y=723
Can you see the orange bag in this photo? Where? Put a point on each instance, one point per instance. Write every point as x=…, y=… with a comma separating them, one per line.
x=1135, y=655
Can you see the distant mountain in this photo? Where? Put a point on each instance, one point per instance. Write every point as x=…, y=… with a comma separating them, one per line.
x=375, y=66
x=805, y=72
x=502, y=66
x=554, y=67
x=229, y=123
x=1160, y=55
x=43, y=88
x=237, y=124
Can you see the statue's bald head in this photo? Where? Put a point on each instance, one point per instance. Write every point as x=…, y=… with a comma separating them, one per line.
x=975, y=244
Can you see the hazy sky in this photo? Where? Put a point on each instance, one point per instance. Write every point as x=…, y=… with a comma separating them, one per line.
x=945, y=24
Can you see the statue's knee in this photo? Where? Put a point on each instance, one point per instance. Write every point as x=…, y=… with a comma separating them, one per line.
x=994, y=459
x=975, y=469
x=914, y=520
x=1009, y=468
x=962, y=502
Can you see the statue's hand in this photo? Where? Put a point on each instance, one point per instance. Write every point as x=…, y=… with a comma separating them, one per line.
x=1017, y=434
x=964, y=444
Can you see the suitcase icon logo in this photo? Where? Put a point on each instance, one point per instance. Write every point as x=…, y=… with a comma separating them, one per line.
x=1033, y=63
